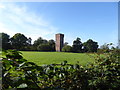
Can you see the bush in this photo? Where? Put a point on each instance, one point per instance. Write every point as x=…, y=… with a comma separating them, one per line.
x=100, y=51
x=103, y=74
x=67, y=48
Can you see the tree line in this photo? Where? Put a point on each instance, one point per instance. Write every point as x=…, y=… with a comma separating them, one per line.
x=78, y=46
x=21, y=42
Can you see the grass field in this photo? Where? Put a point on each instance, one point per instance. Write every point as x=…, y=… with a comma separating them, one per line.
x=41, y=58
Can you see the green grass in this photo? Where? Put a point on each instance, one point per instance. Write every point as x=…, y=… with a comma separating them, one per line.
x=41, y=58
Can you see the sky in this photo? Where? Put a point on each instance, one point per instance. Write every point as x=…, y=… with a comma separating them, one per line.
x=88, y=20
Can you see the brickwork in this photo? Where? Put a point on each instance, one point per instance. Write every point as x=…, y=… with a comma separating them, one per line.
x=59, y=42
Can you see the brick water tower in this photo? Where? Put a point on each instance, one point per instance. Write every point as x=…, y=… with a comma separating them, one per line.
x=59, y=42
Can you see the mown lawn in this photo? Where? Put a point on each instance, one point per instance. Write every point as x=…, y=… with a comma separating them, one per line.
x=41, y=58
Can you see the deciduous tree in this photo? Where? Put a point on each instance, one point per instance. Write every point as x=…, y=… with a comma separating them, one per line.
x=19, y=41
x=77, y=45
x=4, y=41
x=90, y=46
x=52, y=44
x=44, y=47
x=67, y=48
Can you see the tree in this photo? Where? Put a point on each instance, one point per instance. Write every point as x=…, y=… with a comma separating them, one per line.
x=5, y=41
x=47, y=46
x=77, y=45
x=19, y=41
x=66, y=43
x=44, y=47
x=52, y=44
x=39, y=41
x=29, y=41
x=67, y=48
x=90, y=46
x=29, y=46
x=105, y=48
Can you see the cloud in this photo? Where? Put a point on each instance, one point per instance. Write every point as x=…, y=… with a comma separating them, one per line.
x=6, y=30
x=19, y=18
x=2, y=6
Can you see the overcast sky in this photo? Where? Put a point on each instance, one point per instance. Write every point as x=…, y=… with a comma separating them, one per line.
x=89, y=20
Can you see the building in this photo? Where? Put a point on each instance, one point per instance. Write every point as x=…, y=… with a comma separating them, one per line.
x=59, y=42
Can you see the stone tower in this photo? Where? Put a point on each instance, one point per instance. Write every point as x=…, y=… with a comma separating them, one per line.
x=59, y=42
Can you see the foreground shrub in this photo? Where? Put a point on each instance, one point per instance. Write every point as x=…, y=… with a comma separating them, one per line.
x=19, y=73
x=105, y=72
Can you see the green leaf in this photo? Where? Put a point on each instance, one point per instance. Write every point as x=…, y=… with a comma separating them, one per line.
x=24, y=85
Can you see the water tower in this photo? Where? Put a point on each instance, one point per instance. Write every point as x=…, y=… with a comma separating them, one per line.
x=59, y=42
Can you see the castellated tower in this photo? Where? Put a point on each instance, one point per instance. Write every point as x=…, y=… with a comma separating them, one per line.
x=59, y=42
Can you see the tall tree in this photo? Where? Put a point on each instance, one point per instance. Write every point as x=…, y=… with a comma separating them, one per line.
x=29, y=41
x=39, y=41
x=90, y=46
x=29, y=46
x=19, y=41
x=52, y=44
x=4, y=41
x=77, y=45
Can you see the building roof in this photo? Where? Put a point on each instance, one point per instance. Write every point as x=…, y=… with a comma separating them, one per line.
x=60, y=33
